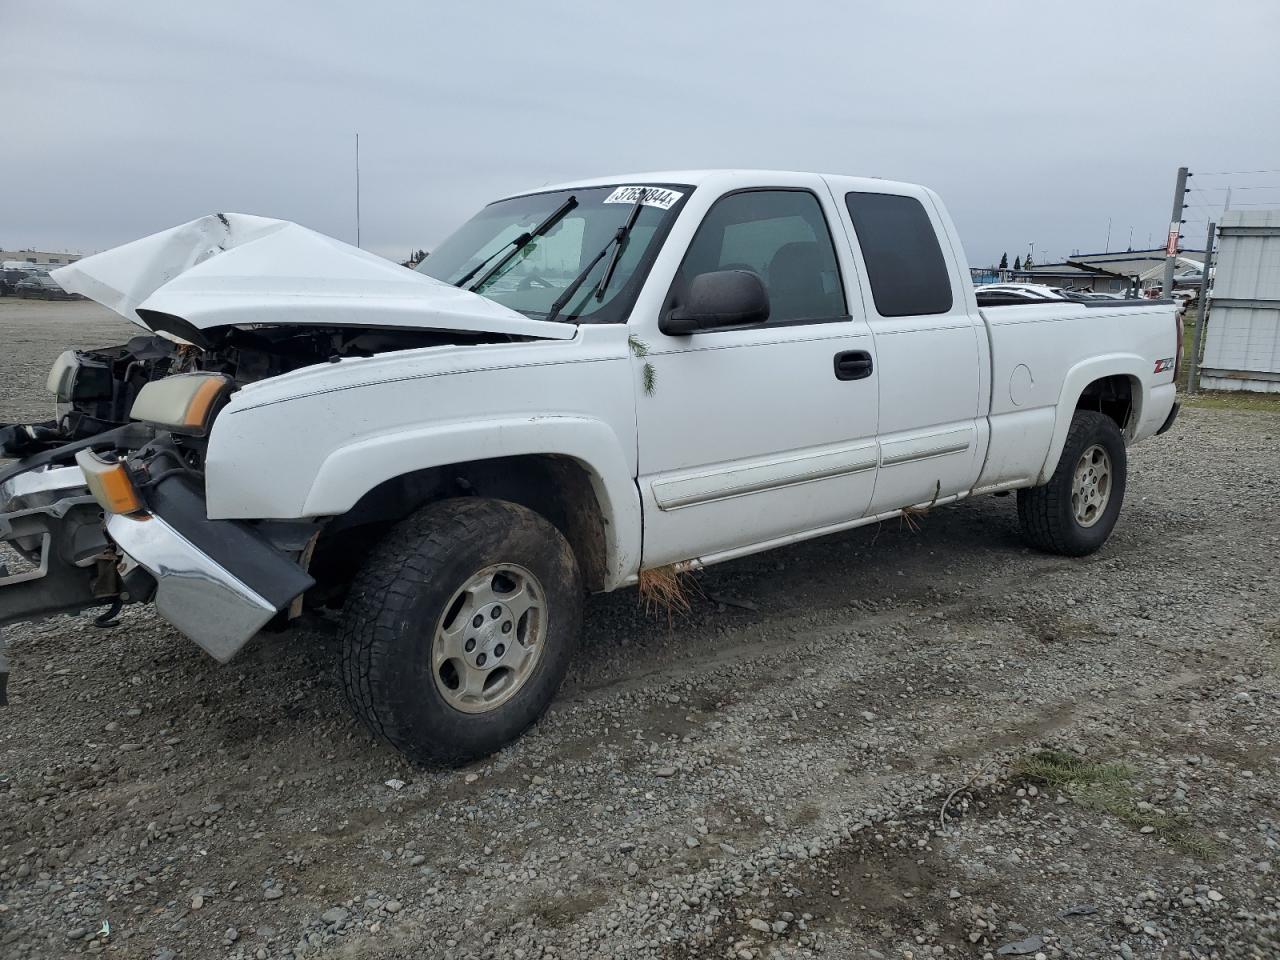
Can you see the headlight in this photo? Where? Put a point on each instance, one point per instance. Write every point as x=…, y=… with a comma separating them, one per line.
x=110, y=483
x=184, y=403
x=75, y=377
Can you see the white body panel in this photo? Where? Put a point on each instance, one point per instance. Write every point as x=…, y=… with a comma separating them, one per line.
x=748, y=435
x=748, y=440
x=931, y=374
x=320, y=438
x=1042, y=359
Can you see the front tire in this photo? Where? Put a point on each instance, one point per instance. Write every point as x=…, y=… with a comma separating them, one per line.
x=459, y=629
x=1075, y=512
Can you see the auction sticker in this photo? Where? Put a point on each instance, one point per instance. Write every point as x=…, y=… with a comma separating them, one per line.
x=658, y=197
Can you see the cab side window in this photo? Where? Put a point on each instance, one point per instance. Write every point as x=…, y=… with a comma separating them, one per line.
x=780, y=235
x=905, y=265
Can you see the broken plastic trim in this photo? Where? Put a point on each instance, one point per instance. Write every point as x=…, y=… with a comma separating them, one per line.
x=174, y=326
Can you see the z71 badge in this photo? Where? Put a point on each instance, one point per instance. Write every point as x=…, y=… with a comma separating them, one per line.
x=1163, y=365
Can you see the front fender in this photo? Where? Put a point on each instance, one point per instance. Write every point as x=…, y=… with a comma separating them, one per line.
x=1078, y=377
x=351, y=471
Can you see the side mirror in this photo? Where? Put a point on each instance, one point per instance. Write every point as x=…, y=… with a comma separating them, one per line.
x=724, y=298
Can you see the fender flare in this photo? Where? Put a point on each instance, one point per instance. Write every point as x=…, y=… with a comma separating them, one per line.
x=1077, y=379
x=351, y=471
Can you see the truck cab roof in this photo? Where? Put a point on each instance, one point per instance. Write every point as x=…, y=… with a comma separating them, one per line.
x=722, y=176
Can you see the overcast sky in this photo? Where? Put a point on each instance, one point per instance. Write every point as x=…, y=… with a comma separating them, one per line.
x=1035, y=121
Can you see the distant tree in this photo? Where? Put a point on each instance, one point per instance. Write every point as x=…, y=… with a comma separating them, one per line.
x=1027, y=264
x=1017, y=263
x=1004, y=261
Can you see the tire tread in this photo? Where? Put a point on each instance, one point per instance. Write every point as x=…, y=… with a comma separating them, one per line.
x=380, y=598
x=1043, y=511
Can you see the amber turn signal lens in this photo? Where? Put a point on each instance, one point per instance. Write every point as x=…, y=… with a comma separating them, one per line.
x=201, y=404
x=109, y=483
x=184, y=402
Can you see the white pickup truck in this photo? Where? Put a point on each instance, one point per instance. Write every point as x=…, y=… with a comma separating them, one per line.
x=583, y=386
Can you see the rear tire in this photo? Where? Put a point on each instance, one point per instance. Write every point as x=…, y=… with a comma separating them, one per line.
x=1074, y=513
x=459, y=629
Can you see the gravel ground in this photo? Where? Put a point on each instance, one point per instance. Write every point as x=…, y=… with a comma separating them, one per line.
x=837, y=754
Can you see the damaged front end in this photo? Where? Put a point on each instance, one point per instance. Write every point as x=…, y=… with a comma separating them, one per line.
x=119, y=517
x=106, y=503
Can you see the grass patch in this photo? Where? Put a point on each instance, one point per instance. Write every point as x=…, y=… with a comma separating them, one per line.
x=1059, y=769
x=1233, y=400
x=1118, y=801
x=1105, y=787
x=667, y=590
x=1188, y=342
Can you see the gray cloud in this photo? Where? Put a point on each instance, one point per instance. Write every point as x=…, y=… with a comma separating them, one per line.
x=1034, y=121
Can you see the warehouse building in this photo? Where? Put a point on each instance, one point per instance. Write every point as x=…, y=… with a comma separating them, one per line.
x=39, y=258
x=1114, y=272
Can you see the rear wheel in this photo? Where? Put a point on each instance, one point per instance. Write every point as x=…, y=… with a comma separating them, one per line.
x=1075, y=512
x=459, y=629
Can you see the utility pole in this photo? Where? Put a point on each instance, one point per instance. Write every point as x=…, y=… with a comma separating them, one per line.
x=1108, y=247
x=1175, y=231
x=1202, y=310
x=357, y=189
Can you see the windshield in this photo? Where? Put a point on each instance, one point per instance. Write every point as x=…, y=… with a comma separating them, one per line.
x=541, y=269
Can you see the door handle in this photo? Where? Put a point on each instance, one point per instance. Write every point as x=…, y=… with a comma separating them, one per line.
x=853, y=365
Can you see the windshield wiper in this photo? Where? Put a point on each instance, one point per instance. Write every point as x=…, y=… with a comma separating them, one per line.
x=516, y=246
x=617, y=244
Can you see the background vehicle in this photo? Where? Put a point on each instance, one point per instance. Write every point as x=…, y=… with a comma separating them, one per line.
x=41, y=286
x=1023, y=291
x=993, y=294
x=586, y=387
x=12, y=271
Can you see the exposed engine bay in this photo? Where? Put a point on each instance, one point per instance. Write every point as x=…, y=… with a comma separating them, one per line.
x=98, y=387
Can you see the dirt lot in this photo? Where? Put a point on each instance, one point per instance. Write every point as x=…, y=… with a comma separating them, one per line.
x=768, y=777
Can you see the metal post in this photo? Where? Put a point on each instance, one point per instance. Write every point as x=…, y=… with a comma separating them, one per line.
x=1175, y=224
x=1202, y=311
x=357, y=189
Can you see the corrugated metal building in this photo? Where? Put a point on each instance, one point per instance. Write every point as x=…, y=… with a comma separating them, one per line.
x=1242, y=338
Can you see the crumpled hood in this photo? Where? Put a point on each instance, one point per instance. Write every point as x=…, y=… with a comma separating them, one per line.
x=234, y=269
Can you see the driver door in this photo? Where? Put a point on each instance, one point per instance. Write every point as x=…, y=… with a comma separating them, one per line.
x=751, y=436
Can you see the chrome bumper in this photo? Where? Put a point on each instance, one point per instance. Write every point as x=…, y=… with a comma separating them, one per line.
x=198, y=596
x=218, y=581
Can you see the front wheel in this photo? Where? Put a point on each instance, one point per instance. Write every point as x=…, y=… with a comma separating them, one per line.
x=1074, y=513
x=459, y=630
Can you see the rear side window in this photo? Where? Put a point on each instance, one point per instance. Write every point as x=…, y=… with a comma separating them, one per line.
x=905, y=265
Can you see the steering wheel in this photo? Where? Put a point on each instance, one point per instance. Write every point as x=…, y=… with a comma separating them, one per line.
x=533, y=280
